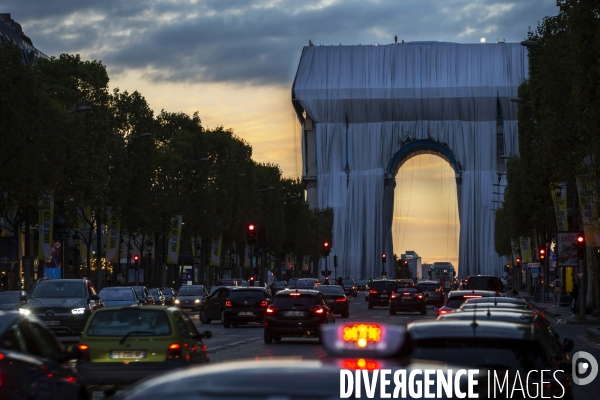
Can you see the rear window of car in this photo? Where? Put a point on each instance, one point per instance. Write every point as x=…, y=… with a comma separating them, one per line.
x=484, y=283
x=408, y=289
x=167, y=291
x=348, y=282
x=241, y=295
x=330, y=289
x=59, y=290
x=122, y=321
x=288, y=300
x=428, y=287
x=117, y=294
x=191, y=291
x=383, y=285
x=154, y=291
x=279, y=284
x=455, y=302
x=308, y=284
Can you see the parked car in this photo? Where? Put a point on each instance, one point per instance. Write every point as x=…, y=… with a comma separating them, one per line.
x=118, y=296
x=170, y=295
x=190, y=297
x=245, y=305
x=144, y=296
x=64, y=305
x=123, y=345
x=12, y=299
x=33, y=364
x=159, y=297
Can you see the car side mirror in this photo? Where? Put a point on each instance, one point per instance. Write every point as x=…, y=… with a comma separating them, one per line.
x=94, y=297
x=567, y=345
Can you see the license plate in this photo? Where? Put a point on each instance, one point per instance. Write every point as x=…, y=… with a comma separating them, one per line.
x=293, y=313
x=128, y=354
x=52, y=322
x=246, y=313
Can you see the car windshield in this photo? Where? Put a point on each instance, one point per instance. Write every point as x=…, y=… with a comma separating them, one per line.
x=496, y=354
x=59, y=290
x=247, y=295
x=408, y=289
x=289, y=301
x=9, y=297
x=190, y=291
x=122, y=321
x=279, y=284
x=117, y=294
x=333, y=289
x=386, y=285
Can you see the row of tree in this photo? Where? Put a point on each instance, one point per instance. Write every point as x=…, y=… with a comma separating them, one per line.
x=559, y=118
x=63, y=132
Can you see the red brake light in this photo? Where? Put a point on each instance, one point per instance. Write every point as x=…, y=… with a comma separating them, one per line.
x=174, y=350
x=84, y=349
x=440, y=311
x=342, y=300
x=264, y=303
x=270, y=310
x=393, y=296
x=472, y=297
x=318, y=310
x=295, y=294
x=419, y=296
x=373, y=291
x=227, y=303
x=407, y=294
x=361, y=363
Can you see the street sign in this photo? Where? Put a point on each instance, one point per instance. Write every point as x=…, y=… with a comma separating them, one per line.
x=534, y=271
x=553, y=257
x=283, y=268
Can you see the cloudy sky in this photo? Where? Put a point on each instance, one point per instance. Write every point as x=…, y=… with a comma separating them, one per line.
x=234, y=60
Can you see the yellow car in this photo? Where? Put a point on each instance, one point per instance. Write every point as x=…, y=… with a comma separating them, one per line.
x=122, y=345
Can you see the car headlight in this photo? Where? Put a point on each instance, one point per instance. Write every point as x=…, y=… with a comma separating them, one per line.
x=24, y=311
x=197, y=301
x=78, y=311
x=176, y=301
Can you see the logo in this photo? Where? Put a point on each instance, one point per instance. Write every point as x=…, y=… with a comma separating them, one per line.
x=581, y=368
x=49, y=314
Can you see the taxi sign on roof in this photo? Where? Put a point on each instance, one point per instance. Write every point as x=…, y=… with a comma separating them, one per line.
x=362, y=339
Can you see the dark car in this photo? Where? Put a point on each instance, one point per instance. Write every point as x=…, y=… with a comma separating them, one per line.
x=350, y=287
x=145, y=298
x=64, y=305
x=306, y=283
x=12, y=300
x=33, y=364
x=456, y=298
x=408, y=299
x=405, y=282
x=213, y=306
x=510, y=350
x=159, y=297
x=277, y=286
x=296, y=313
x=336, y=299
x=190, y=297
x=484, y=282
x=292, y=283
x=433, y=292
x=245, y=305
x=380, y=292
x=118, y=296
x=361, y=284
x=170, y=295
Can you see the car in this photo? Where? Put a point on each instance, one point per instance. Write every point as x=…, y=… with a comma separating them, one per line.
x=118, y=296
x=292, y=283
x=277, y=286
x=433, y=292
x=170, y=295
x=121, y=345
x=408, y=299
x=306, y=283
x=190, y=297
x=380, y=292
x=64, y=305
x=405, y=282
x=484, y=282
x=336, y=299
x=296, y=312
x=159, y=297
x=213, y=306
x=12, y=299
x=145, y=298
x=245, y=305
x=361, y=284
x=508, y=350
x=350, y=287
x=350, y=347
x=33, y=364
x=456, y=298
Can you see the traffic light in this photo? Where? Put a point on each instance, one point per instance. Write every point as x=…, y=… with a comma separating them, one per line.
x=507, y=267
x=136, y=260
x=518, y=260
x=429, y=273
x=251, y=234
x=326, y=248
x=252, y=280
x=580, y=244
x=542, y=253
x=383, y=258
x=405, y=263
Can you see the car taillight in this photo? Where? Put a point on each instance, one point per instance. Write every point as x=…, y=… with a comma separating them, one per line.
x=271, y=310
x=85, y=351
x=373, y=291
x=264, y=303
x=342, y=300
x=393, y=296
x=227, y=303
x=440, y=312
x=418, y=296
x=174, y=350
x=318, y=310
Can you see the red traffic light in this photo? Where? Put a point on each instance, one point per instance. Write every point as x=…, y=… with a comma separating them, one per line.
x=251, y=278
x=251, y=234
x=136, y=258
x=580, y=238
x=542, y=252
x=251, y=227
x=326, y=245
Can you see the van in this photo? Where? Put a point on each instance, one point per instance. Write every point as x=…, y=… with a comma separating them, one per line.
x=484, y=282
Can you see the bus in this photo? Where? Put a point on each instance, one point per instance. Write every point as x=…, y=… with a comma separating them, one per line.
x=444, y=273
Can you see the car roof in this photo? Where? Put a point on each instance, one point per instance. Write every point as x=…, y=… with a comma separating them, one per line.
x=301, y=291
x=498, y=299
x=463, y=293
x=503, y=315
x=440, y=329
